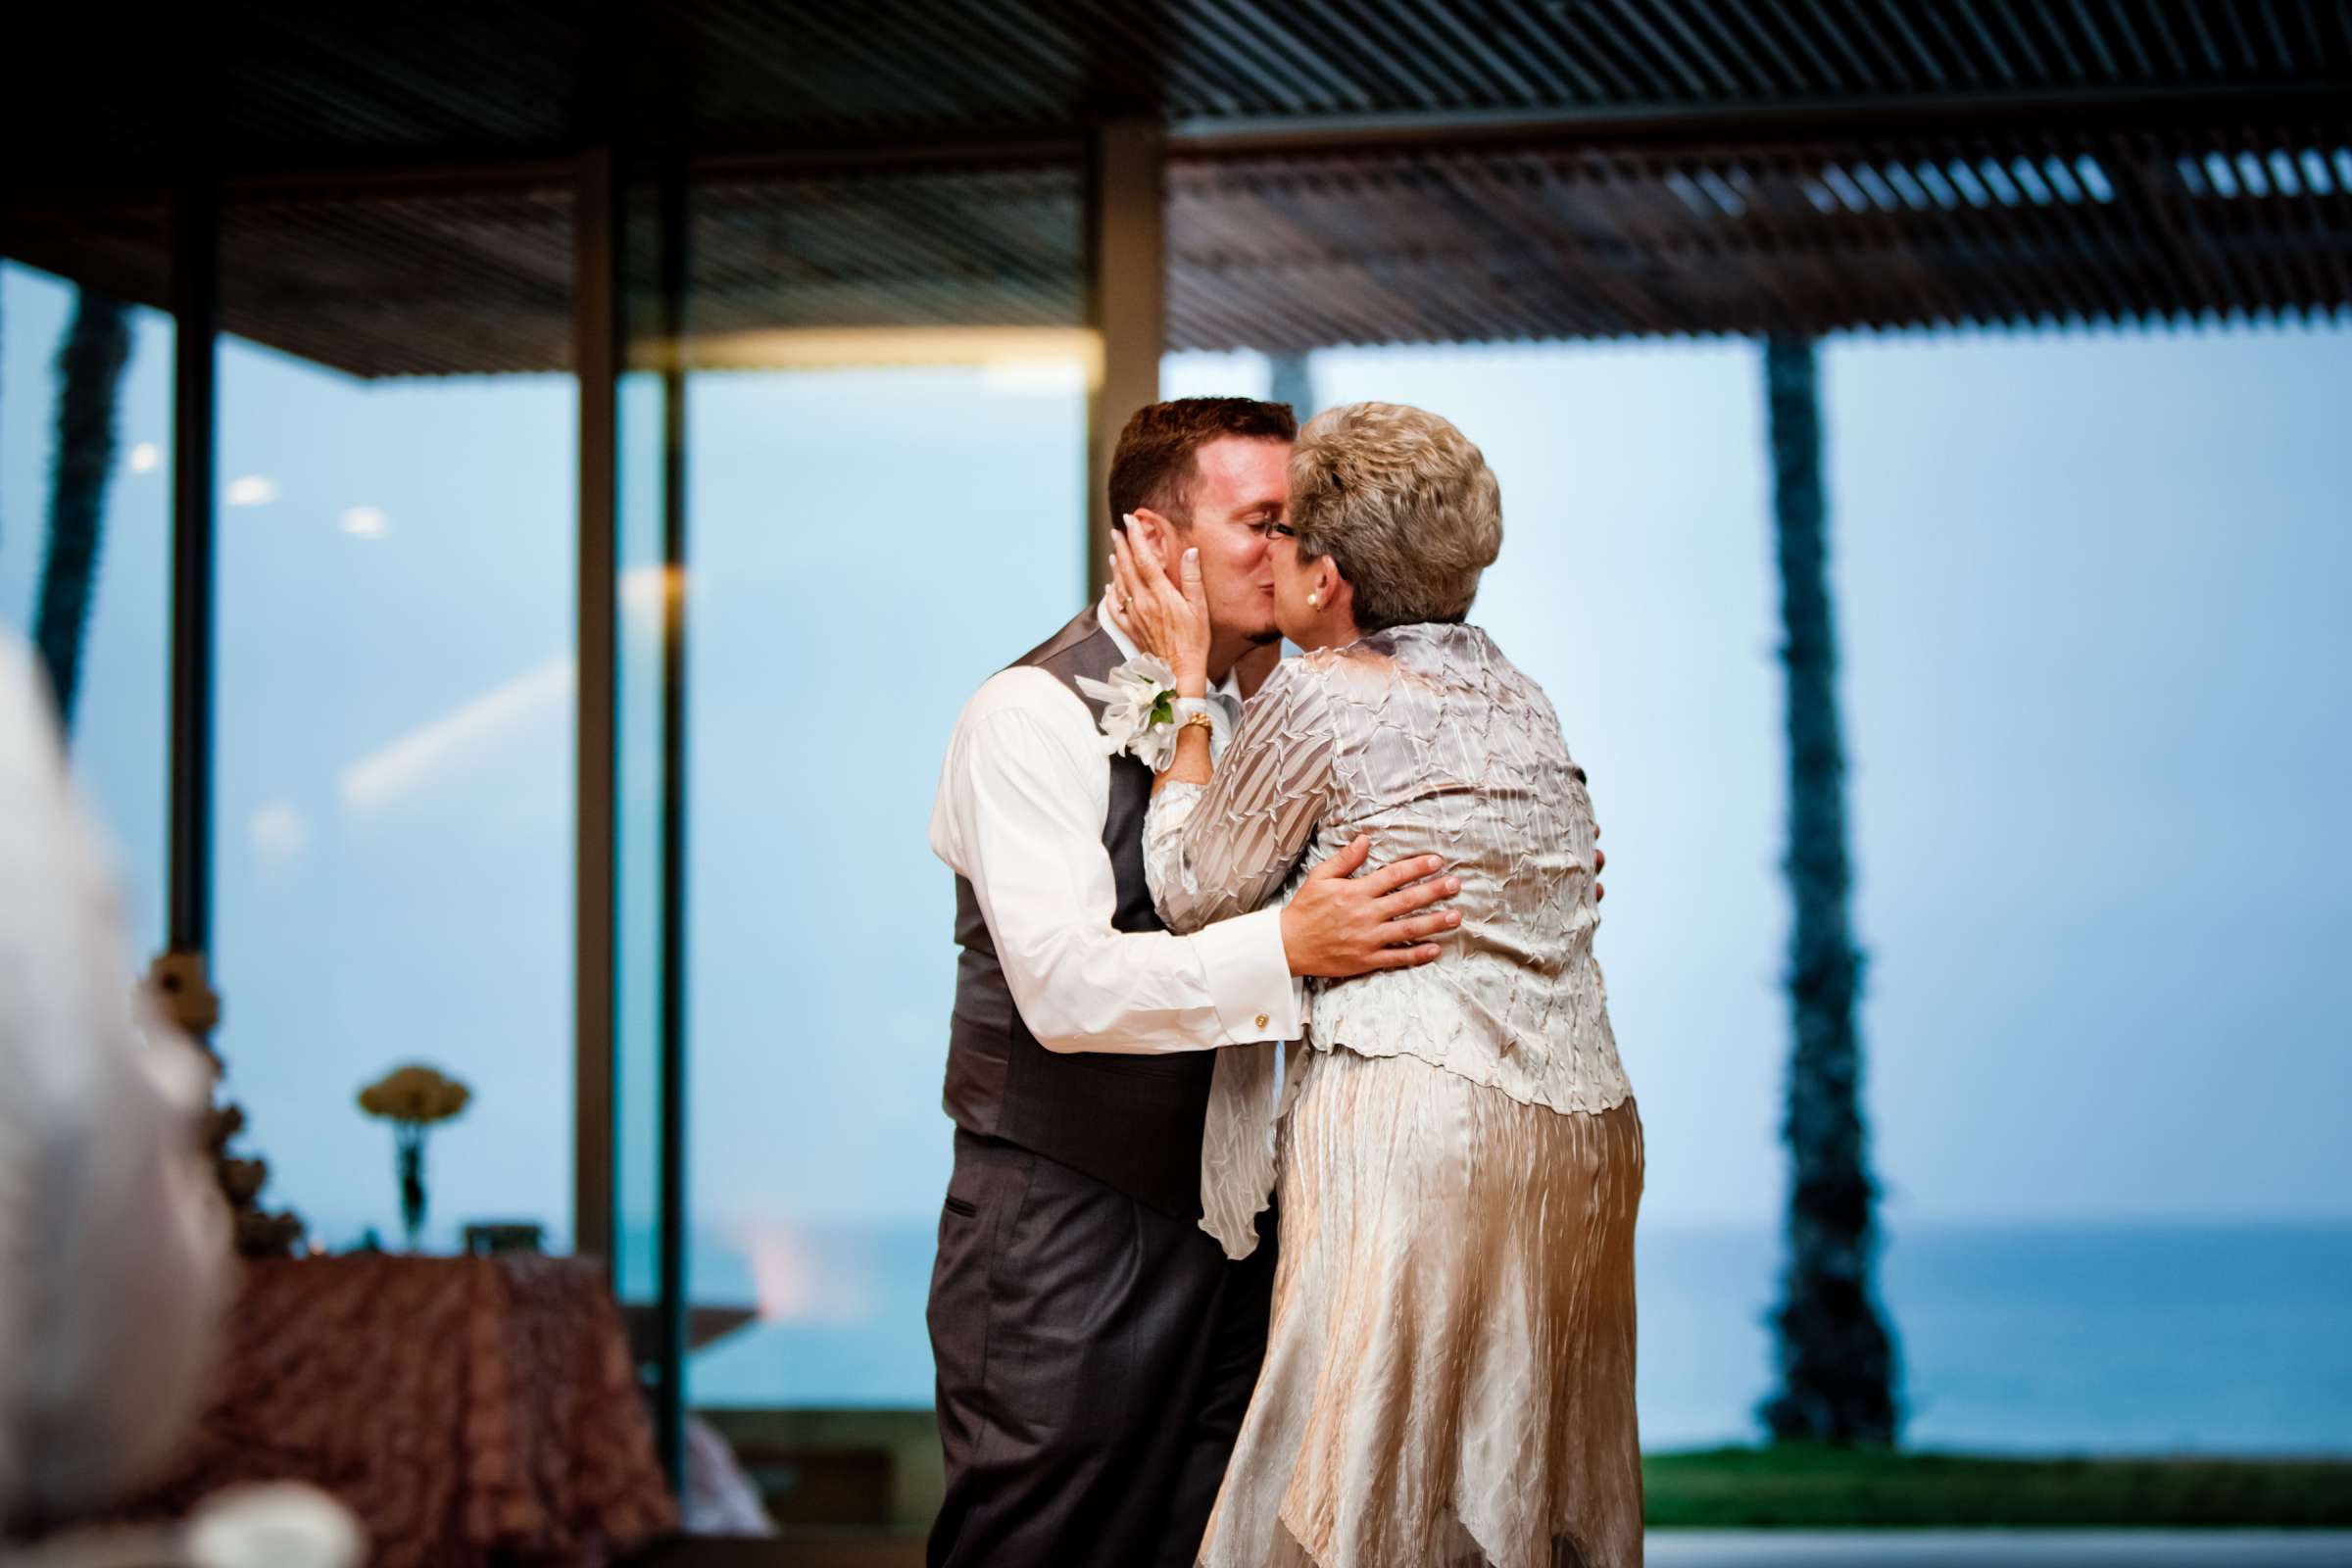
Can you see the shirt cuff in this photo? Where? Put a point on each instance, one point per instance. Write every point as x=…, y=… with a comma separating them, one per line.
x=1250, y=980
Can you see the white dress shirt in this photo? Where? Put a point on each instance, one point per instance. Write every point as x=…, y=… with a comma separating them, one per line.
x=1023, y=797
x=115, y=1250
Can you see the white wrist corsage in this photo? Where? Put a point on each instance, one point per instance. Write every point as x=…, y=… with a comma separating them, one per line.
x=1139, y=710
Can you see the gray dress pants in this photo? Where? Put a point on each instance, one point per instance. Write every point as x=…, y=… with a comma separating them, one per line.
x=1095, y=1357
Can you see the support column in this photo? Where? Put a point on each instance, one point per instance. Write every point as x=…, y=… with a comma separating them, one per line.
x=1126, y=294
x=596, y=358
x=669, y=1317
x=181, y=975
x=1293, y=380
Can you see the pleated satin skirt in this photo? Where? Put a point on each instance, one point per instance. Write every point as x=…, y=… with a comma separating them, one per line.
x=1449, y=1379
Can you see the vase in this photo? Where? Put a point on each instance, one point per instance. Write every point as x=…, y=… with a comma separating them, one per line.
x=408, y=1143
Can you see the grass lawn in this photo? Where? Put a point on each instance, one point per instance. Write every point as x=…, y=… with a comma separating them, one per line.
x=1821, y=1488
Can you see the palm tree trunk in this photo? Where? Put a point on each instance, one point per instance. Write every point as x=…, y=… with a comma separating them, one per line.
x=89, y=369
x=1836, y=1360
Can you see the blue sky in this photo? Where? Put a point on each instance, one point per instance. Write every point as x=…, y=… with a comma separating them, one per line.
x=2093, y=696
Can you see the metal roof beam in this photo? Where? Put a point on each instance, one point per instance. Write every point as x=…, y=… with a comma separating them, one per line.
x=1860, y=119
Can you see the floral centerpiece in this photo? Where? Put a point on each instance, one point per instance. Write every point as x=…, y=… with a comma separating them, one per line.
x=413, y=1098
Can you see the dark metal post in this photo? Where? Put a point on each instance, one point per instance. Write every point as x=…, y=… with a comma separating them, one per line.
x=596, y=358
x=669, y=1419
x=180, y=973
x=1293, y=381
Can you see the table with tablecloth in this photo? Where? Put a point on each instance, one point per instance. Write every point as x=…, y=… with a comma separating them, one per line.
x=467, y=1409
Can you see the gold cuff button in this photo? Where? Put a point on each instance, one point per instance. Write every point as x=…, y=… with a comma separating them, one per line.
x=1261, y=1020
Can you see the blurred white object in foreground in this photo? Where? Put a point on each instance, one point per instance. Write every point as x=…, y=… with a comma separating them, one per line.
x=114, y=1239
x=281, y=1525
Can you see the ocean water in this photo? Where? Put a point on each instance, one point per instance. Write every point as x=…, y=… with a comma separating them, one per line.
x=2214, y=1339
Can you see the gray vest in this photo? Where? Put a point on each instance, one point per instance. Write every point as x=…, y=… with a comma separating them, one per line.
x=1130, y=1122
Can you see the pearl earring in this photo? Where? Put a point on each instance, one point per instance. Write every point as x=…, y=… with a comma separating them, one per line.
x=1315, y=600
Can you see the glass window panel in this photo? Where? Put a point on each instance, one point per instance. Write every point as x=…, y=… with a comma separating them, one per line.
x=2101, y=622
x=1636, y=585
x=1241, y=373
x=643, y=611
x=2089, y=595
x=637, y=848
x=393, y=807
x=886, y=439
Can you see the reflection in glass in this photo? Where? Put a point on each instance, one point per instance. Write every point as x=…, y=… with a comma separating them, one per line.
x=85, y=547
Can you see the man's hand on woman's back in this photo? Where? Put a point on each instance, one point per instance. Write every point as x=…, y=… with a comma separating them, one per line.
x=1340, y=924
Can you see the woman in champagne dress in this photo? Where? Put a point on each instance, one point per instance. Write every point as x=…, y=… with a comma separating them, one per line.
x=1449, y=1379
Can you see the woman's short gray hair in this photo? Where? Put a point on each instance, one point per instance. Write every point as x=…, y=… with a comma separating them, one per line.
x=1403, y=503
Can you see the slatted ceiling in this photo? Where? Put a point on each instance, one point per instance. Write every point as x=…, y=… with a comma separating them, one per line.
x=1287, y=255
x=117, y=249
x=924, y=248
x=303, y=82
x=405, y=285
x=1276, y=252
x=1301, y=251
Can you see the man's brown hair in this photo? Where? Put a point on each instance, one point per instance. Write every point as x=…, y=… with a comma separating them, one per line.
x=1152, y=465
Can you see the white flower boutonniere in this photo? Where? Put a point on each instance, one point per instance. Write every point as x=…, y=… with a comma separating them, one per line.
x=1139, y=710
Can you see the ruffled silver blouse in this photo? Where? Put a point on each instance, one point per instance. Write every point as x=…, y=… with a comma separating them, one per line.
x=1430, y=740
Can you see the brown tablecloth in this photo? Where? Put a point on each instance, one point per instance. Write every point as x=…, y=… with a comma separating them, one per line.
x=466, y=1408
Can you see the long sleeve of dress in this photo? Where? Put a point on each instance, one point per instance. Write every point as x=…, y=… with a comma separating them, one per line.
x=1218, y=850
x=1221, y=848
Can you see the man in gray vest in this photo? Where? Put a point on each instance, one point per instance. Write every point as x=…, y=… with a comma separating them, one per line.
x=1094, y=1349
